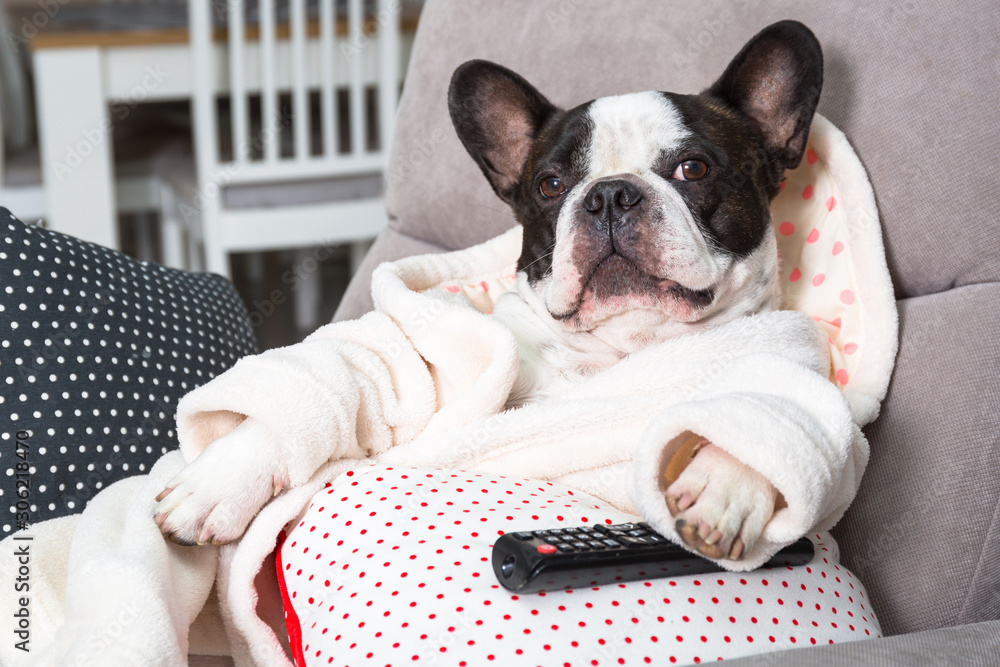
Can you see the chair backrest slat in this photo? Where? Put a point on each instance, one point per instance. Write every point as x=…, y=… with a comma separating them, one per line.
x=300, y=93
x=355, y=33
x=328, y=103
x=271, y=128
x=204, y=77
x=388, y=60
x=237, y=82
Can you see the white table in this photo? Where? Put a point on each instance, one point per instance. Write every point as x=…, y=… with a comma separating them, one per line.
x=78, y=76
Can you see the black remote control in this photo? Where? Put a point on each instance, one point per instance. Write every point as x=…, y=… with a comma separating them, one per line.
x=561, y=558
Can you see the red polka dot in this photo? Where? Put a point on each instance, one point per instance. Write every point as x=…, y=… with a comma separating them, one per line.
x=850, y=348
x=842, y=376
x=838, y=248
x=830, y=203
x=847, y=296
x=786, y=228
x=811, y=156
x=813, y=236
x=818, y=279
x=807, y=192
x=795, y=275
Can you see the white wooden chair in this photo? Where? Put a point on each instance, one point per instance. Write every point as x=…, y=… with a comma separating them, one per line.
x=316, y=53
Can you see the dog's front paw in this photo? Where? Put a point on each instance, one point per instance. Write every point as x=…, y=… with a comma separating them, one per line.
x=212, y=500
x=720, y=505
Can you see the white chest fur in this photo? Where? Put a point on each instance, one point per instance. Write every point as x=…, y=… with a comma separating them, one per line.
x=550, y=358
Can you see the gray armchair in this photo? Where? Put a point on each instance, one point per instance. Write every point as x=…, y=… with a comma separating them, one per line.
x=914, y=86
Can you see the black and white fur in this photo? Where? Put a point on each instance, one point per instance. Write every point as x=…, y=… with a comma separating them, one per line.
x=622, y=248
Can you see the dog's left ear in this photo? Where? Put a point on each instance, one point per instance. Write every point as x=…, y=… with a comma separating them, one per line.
x=498, y=116
x=776, y=81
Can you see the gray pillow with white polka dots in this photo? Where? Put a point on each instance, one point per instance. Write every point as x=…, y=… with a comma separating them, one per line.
x=96, y=348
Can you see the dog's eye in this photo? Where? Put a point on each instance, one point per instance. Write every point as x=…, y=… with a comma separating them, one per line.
x=552, y=187
x=690, y=170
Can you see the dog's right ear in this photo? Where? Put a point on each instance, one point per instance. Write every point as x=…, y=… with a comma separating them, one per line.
x=498, y=116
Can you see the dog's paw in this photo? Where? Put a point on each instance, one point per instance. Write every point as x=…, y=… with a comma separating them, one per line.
x=213, y=499
x=720, y=505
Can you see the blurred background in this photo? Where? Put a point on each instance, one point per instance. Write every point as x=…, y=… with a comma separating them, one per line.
x=244, y=137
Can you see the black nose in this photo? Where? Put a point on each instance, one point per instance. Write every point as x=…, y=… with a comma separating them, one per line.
x=609, y=199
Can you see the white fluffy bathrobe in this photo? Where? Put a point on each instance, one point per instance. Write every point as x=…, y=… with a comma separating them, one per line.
x=423, y=381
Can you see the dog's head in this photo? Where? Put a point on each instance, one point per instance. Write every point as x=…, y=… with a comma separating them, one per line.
x=650, y=209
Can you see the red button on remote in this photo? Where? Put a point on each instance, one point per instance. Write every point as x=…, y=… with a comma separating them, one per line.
x=546, y=549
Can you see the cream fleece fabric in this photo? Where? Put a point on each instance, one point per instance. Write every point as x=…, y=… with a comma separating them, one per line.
x=423, y=381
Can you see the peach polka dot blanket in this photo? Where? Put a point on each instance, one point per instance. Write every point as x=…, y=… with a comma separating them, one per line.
x=833, y=263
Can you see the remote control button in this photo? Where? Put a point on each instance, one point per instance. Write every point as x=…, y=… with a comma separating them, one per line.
x=569, y=531
x=540, y=533
x=633, y=542
x=546, y=549
x=564, y=547
x=636, y=533
x=556, y=531
x=578, y=545
x=595, y=544
x=656, y=537
x=622, y=527
x=523, y=536
x=611, y=543
x=553, y=540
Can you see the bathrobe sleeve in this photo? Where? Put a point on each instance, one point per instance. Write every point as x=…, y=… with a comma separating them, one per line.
x=350, y=390
x=781, y=418
x=421, y=363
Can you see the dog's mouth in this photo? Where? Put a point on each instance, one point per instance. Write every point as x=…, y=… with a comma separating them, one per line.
x=616, y=283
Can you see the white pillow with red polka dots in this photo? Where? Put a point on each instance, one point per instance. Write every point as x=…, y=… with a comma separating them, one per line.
x=391, y=566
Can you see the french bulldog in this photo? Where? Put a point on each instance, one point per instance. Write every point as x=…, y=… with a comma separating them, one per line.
x=645, y=216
